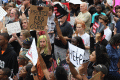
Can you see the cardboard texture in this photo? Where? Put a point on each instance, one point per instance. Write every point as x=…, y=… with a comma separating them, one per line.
x=97, y=76
x=38, y=17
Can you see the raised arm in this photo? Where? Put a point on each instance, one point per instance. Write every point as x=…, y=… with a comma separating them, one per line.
x=60, y=33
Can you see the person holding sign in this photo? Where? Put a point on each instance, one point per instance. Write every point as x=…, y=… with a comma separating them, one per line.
x=107, y=32
x=95, y=59
x=80, y=31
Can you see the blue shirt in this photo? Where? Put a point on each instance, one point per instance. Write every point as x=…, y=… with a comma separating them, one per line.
x=118, y=26
x=114, y=57
x=93, y=17
x=5, y=1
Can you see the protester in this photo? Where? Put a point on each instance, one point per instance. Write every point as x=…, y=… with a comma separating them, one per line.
x=8, y=56
x=5, y=74
x=85, y=16
x=112, y=51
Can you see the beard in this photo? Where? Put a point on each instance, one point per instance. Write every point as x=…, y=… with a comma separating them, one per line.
x=12, y=19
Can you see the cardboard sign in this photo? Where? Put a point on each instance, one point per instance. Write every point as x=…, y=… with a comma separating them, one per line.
x=76, y=55
x=13, y=28
x=2, y=13
x=97, y=76
x=38, y=17
x=32, y=53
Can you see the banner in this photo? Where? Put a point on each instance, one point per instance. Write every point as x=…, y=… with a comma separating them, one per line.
x=2, y=13
x=13, y=28
x=32, y=54
x=76, y=55
x=38, y=17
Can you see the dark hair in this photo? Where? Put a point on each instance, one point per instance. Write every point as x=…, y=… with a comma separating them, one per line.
x=80, y=42
x=5, y=35
x=115, y=39
x=28, y=69
x=102, y=56
x=117, y=7
x=50, y=7
x=104, y=18
x=6, y=71
x=60, y=73
x=17, y=12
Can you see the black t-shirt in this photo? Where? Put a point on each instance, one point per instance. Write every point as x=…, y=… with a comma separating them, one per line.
x=26, y=12
x=66, y=30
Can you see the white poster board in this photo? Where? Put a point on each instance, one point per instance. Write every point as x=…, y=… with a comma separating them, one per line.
x=2, y=13
x=13, y=28
x=75, y=1
x=32, y=53
x=76, y=55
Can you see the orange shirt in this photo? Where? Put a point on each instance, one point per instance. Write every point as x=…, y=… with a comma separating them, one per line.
x=2, y=51
x=39, y=71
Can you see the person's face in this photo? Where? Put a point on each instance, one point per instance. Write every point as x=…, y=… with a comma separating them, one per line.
x=118, y=13
x=79, y=28
x=9, y=10
x=22, y=37
x=2, y=41
x=74, y=41
x=21, y=60
x=93, y=57
x=12, y=15
x=1, y=75
x=23, y=72
x=82, y=7
x=102, y=22
x=43, y=42
x=50, y=13
x=63, y=19
x=24, y=24
x=99, y=9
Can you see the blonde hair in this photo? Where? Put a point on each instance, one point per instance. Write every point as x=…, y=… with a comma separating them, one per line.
x=26, y=33
x=38, y=43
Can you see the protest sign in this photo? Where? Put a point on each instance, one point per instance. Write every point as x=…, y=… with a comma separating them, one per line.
x=76, y=55
x=2, y=13
x=38, y=17
x=13, y=28
x=75, y=1
x=32, y=53
x=97, y=27
x=97, y=76
x=67, y=4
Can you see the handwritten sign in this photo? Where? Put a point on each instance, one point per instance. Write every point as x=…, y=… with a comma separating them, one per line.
x=76, y=55
x=13, y=28
x=38, y=17
x=2, y=13
x=97, y=76
x=32, y=54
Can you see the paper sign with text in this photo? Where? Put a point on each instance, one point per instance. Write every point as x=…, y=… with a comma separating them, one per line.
x=76, y=55
x=13, y=28
x=2, y=13
x=32, y=53
x=38, y=17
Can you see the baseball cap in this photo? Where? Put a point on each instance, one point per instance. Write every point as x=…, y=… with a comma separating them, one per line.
x=28, y=41
x=101, y=68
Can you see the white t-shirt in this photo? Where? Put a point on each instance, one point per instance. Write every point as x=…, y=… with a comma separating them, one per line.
x=86, y=40
x=107, y=33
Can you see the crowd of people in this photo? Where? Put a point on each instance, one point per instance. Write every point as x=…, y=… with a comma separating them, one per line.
x=102, y=50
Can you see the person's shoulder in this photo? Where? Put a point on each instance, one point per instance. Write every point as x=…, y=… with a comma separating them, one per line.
x=88, y=13
x=103, y=13
x=108, y=46
x=86, y=34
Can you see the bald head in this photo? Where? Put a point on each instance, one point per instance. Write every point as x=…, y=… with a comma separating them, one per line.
x=83, y=6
